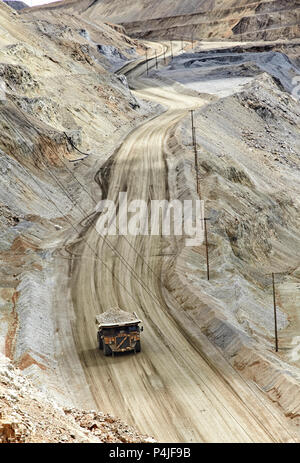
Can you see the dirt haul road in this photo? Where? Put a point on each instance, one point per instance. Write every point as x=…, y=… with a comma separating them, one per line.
x=169, y=390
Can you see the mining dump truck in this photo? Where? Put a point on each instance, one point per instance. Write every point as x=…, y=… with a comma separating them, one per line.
x=118, y=331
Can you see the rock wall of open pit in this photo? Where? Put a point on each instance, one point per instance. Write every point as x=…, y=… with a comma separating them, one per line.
x=244, y=22
x=207, y=19
x=60, y=94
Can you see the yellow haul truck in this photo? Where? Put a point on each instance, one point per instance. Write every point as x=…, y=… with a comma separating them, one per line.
x=118, y=331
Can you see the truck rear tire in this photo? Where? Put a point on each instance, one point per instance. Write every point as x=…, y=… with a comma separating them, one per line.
x=138, y=346
x=106, y=350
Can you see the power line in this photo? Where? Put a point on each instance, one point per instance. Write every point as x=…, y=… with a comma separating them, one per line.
x=137, y=303
x=159, y=304
x=111, y=246
x=103, y=262
x=95, y=202
x=72, y=225
x=97, y=256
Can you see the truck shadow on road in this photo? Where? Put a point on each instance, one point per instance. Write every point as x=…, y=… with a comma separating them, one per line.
x=95, y=357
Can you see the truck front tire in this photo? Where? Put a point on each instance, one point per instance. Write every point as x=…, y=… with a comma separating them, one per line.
x=106, y=350
x=100, y=342
x=138, y=346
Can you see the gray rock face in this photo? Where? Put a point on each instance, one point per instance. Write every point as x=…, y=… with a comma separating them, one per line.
x=123, y=80
x=111, y=52
x=84, y=33
x=16, y=5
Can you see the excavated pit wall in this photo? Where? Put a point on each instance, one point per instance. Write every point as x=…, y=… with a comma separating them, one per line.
x=249, y=22
x=246, y=342
x=207, y=19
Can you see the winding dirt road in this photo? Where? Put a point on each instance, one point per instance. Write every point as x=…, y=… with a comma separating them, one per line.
x=169, y=390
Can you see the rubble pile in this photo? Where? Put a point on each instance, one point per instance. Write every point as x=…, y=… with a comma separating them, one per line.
x=27, y=415
x=106, y=427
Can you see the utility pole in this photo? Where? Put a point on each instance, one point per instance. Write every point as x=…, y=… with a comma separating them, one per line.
x=171, y=49
x=182, y=44
x=147, y=62
x=196, y=165
x=194, y=141
x=193, y=128
x=192, y=40
x=156, y=62
x=199, y=190
x=275, y=313
x=206, y=247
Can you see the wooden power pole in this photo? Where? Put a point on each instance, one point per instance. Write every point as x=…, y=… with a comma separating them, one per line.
x=194, y=141
x=193, y=128
x=275, y=313
x=206, y=247
x=147, y=62
x=196, y=165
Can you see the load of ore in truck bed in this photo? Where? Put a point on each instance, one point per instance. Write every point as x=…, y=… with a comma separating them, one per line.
x=116, y=315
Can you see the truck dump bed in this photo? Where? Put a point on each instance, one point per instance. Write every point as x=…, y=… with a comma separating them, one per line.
x=116, y=317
